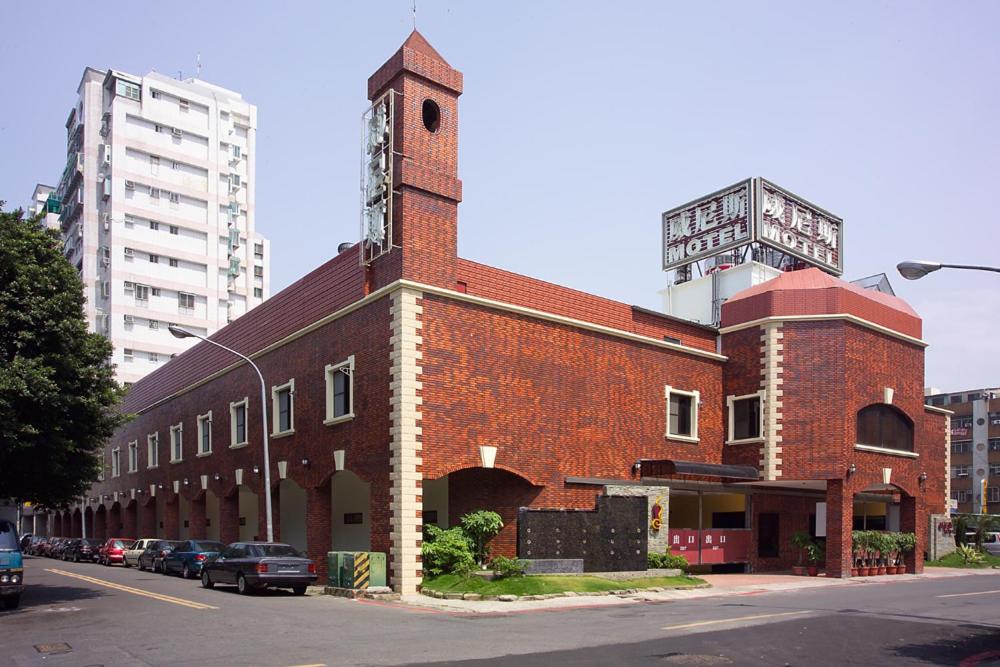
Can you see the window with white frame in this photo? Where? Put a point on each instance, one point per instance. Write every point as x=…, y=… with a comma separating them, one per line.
x=340, y=391
x=176, y=443
x=205, y=433
x=153, y=450
x=995, y=470
x=745, y=417
x=238, y=423
x=682, y=413
x=116, y=462
x=133, y=456
x=961, y=471
x=282, y=408
x=993, y=494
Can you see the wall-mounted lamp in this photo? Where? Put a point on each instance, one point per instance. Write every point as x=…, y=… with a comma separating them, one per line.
x=186, y=482
x=159, y=486
x=305, y=463
x=637, y=468
x=852, y=469
x=217, y=477
x=256, y=470
x=922, y=477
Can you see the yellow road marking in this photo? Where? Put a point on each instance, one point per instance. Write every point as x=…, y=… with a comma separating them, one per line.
x=318, y=664
x=962, y=595
x=134, y=591
x=733, y=620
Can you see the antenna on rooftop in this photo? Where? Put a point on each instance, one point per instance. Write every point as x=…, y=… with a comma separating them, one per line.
x=198, y=67
x=414, y=14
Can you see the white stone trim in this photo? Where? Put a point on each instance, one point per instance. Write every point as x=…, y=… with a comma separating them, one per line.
x=771, y=363
x=695, y=405
x=854, y=319
x=329, y=374
x=275, y=390
x=245, y=402
x=404, y=444
x=947, y=461
x=886, y=450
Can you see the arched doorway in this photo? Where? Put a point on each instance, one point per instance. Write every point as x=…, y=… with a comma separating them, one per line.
x=292, y=514
x=211, y=516
x=350, y=503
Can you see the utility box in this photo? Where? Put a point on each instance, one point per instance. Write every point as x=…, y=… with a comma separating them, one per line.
x=357, y=569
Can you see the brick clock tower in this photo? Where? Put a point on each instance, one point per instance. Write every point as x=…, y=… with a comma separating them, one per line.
x=415, y=115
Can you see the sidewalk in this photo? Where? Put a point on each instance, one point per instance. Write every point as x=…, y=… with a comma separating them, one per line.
x=721, y=585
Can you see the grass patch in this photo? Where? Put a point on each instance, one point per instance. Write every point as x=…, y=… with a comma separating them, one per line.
x=955, y=560
x=540, y=585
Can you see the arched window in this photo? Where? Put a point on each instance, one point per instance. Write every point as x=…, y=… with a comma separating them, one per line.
x=885, y=426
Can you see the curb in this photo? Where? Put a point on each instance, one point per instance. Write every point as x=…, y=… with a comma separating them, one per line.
x=476, y=597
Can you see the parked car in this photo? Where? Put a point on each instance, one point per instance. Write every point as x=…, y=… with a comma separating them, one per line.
x=37, y=542
x=11, y=566
x=991, y=543
x=67, y=546
x=255, y=565
x=55, y=551
x=85, y=549
x=113, y=550
x=189, y=556
x=25, y=541
x=135, y=549
x=152, y=556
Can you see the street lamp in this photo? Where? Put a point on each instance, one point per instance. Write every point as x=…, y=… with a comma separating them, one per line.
x=179, y=332
x=912, y=270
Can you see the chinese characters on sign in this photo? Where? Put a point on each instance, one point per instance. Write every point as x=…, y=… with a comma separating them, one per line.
x=707, y=226
x=754, y=210
x=790, y=224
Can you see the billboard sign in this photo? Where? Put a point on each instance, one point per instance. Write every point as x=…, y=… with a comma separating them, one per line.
x=792, y=225
x=708, y=226
x=754, y=210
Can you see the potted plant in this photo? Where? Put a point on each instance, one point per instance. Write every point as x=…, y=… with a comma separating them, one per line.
x=857, y=553
x=800, y=541
x=907, y=543
x=882, y=547
x=864, y=545
x=895, y=554
x=813, y=553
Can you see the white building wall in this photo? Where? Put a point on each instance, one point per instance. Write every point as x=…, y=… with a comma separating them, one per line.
x=180, y=162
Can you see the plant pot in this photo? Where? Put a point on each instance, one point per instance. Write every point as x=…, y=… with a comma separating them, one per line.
x=881, y=569
x=863, y=571
x=799, y=570
x=813, y=570
x=900, y=569
x=855, y=571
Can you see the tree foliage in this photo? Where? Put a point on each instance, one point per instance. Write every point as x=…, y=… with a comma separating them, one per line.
x=58, y=395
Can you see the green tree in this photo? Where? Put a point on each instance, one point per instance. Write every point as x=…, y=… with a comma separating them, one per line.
x=58, y=395
x=481, y=526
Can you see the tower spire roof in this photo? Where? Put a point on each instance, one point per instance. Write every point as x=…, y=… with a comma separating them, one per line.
x=419, y=43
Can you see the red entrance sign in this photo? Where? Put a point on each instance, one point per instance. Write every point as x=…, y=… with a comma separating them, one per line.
x=712, y=545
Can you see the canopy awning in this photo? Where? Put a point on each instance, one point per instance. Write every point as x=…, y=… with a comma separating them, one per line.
x=657, y=467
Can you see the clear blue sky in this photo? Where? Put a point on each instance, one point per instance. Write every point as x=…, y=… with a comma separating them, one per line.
x=582, y=121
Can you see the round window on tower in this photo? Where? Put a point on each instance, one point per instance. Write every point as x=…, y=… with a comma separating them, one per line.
x=432, y=116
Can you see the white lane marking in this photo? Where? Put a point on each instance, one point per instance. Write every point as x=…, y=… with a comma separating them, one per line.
x=962, y=595
x=735, y=620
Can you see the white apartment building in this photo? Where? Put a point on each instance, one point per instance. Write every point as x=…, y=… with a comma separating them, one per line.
x=157, y=211
x=45, y=203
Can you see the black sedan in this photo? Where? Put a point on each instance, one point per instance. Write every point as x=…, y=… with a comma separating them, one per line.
x=152, y=557
x=82, y=550
x=256, y=565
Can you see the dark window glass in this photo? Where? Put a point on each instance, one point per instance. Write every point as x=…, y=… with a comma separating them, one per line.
x=267, y=550
x=241, y=423
x=8, y=537
x=208, y=546
x=341, y=394
x=284, y=410
x=746, y=418
x=884, y=426
x=767, y=535
x=680, y=414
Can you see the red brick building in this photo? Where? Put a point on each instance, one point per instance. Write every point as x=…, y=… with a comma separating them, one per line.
x=422, y=385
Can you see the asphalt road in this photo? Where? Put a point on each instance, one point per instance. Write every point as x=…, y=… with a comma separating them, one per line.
x=113, y=616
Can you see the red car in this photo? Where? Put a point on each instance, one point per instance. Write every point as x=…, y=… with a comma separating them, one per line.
x=113, y=550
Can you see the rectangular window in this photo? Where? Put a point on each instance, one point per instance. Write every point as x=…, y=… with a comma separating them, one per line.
x=174, y=230
x=154, y=164
x=154, y=225
x=205, y=433
x=185, y=300
x=258, y=250
x=993, y=494
x=258, y=271
x=155, y=291
x=154, y=324
x=141, y=292
x=258, y=292
x=282, y=407
x=960, y=471
x=128, y=354
x=340, y=391
x=174, y=263
x=133, y=456
x=153, y=450
x=961, y=447
x=126, y=89
x=116, y=462
x=177, y=443
x=154, y=259
x=154, y=357
x=745, y=417
x=995, y=470
x=682, y=414
x=238, y=423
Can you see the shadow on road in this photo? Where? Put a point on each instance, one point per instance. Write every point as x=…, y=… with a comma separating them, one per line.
x=960, y=642
x=42, y=595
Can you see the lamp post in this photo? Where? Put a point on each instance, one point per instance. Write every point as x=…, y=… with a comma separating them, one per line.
x=179, y=332
x=913, y=269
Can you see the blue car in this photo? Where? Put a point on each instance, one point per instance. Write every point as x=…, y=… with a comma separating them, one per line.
x=189, y=556
x=11, y=566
